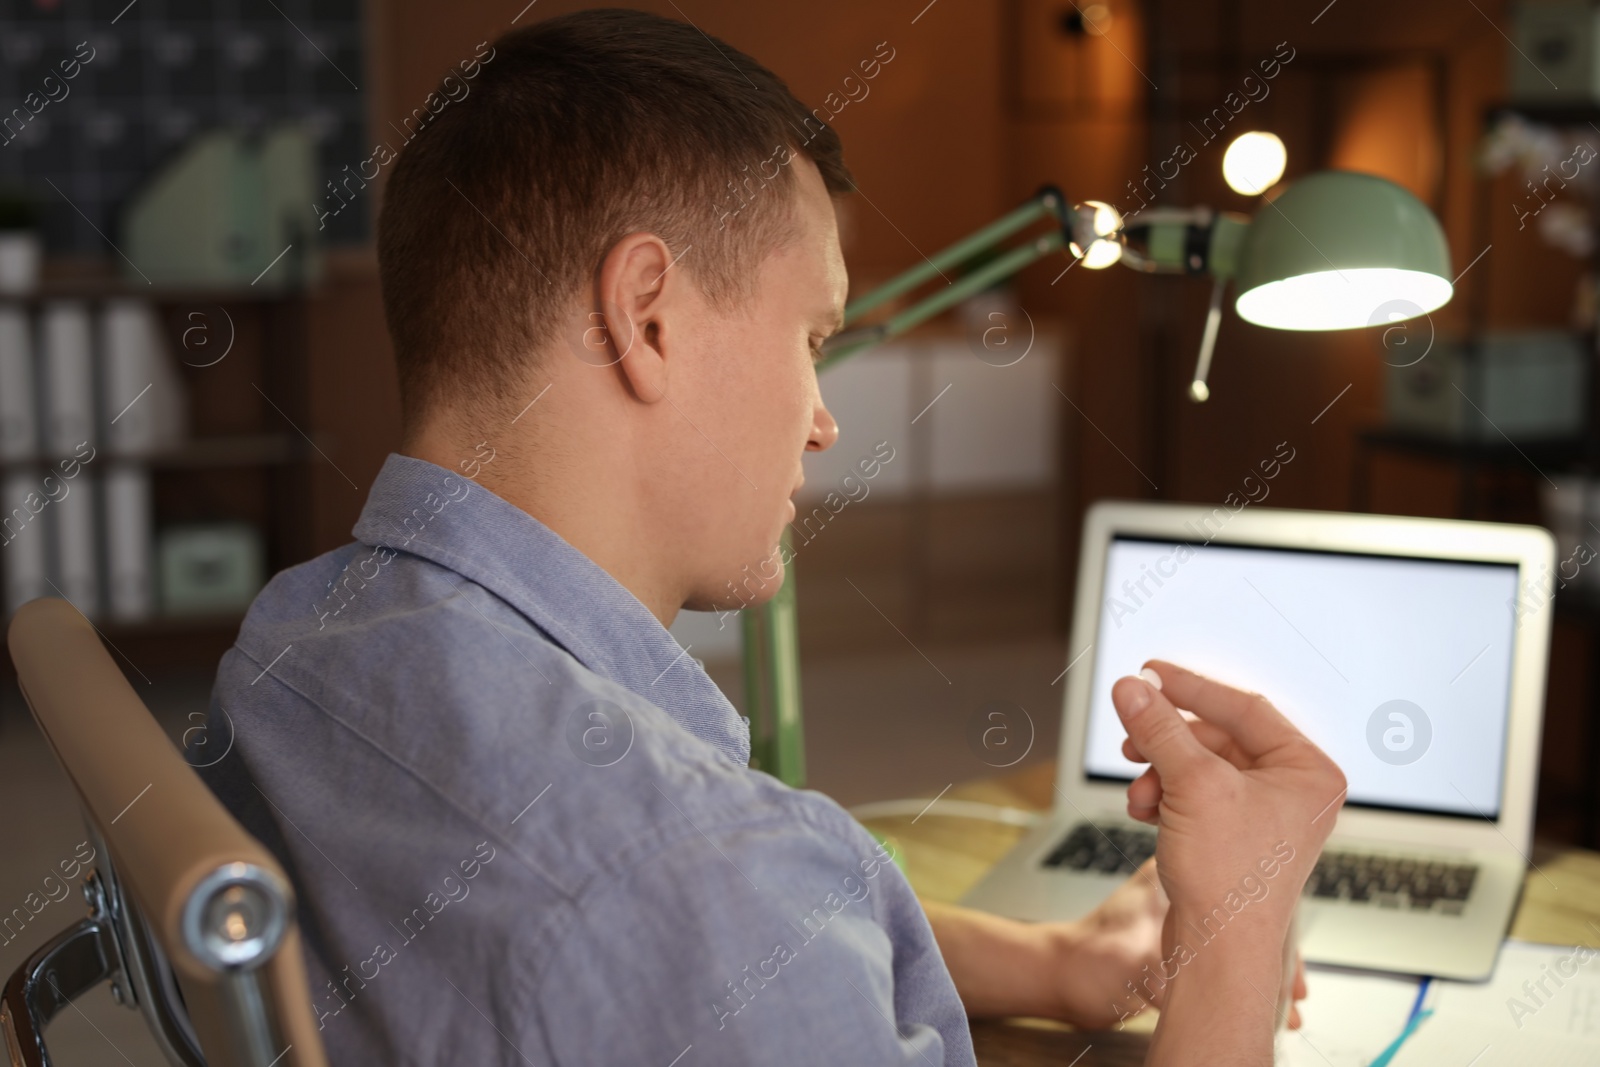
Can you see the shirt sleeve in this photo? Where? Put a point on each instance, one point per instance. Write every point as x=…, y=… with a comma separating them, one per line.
x=776, y=942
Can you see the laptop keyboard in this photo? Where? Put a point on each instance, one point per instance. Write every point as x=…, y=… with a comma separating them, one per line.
x=1393, y=882
x=1111, y=849
x=1350, y=877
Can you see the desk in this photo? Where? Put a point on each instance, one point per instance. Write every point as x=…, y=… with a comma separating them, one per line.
x=944, y=857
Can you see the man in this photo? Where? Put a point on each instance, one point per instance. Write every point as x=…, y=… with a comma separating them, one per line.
x=518, y=816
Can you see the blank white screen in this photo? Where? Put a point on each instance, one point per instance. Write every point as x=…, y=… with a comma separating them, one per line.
x=1328, y=638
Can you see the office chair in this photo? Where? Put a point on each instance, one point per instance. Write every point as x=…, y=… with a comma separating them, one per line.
x=190, y=919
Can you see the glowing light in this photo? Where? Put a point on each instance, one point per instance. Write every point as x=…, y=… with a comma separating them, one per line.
x=1104, y=239
x=1341, y=299
x=1254, y=162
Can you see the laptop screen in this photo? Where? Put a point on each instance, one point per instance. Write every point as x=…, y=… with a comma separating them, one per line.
x=1398, y=667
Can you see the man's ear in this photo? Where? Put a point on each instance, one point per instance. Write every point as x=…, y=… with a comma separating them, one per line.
x=636, y=288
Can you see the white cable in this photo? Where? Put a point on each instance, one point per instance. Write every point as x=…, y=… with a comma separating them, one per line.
x=961, y=809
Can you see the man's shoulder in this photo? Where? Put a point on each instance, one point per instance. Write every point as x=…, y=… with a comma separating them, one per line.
x=342, y=595
x=366, y=634
x=450, y=687
x=431, y=728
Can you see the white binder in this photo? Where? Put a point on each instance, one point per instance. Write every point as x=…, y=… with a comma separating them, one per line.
x=77, y=562
x=67, y=349
x=130, y=583
x=143, y=405
x=24, y=539
x=19, y=425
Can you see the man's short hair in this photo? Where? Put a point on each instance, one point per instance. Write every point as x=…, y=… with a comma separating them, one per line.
x=571, y=134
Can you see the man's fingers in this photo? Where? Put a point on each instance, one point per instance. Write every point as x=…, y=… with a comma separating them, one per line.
x=1213, y=737
x=1144, y=795
x=1248, y=718
x=1156, y=729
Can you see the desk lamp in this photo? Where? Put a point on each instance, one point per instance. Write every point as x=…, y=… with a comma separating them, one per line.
x=1336, y=250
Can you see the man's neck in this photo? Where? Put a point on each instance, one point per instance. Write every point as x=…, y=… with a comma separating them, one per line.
x=583, y=489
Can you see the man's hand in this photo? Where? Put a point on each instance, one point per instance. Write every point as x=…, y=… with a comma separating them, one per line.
x=1076, y=971
x=1116, y=944
x=1244, y=802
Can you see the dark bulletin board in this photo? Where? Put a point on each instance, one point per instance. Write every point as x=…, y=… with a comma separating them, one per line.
x=162, y=71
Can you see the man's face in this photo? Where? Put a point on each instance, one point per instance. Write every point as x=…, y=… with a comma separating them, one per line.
x=746, y=391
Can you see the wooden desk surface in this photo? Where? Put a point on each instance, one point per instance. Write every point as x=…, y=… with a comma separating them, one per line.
x=944, y=857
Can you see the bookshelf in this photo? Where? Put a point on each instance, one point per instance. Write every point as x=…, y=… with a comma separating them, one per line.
x=242, y=358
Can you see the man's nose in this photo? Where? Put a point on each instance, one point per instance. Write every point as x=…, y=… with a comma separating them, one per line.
x=824, y=431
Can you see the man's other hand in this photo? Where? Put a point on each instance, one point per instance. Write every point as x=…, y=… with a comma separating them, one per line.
x=1244, y=802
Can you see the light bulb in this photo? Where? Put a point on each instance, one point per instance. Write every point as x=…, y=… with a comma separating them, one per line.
x=1099, y=243
x=1342, y=299
x=1096, y=21
x=1254, y=162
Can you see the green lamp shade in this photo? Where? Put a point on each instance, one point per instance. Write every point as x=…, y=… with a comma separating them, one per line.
x=1339, y=250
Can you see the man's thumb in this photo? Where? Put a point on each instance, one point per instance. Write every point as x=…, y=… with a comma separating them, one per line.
x=1155, y=727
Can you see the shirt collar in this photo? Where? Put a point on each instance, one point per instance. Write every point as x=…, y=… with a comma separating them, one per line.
x=444, y=517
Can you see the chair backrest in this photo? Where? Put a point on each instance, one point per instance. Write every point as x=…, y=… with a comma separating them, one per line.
x=191, y=918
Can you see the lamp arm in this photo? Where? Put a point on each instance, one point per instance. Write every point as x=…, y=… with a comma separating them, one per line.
x=1199, y=390
x=1193, y=240
x=849, y=342
x=1048, y=202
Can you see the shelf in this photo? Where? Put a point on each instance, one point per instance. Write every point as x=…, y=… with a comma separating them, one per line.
x=201, y=453
x=160, y=645
x=242, y=461
x=110, y=289
x=98, y=279
x=171, y=625
x=1548, y=112
x=164, y=625
x=1551, y=452
x=255, y=450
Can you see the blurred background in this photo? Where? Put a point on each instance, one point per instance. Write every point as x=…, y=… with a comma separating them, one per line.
x=196, y=387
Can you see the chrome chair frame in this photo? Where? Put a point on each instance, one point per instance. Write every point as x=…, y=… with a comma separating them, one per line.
x=113, y=945
x=233, y=914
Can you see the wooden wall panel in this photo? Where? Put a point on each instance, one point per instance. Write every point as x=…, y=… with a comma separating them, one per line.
x=955, y=130
x=926, y=144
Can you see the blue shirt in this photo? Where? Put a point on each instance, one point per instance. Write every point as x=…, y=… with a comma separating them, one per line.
x=521, y=826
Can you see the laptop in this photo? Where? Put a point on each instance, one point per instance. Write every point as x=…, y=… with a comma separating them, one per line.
x=1413, y=651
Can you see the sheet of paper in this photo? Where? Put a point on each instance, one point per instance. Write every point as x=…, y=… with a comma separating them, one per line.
x=1547, y=989
x=1348, y=1016
x=1450, y=1043
x=1541, y=1006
